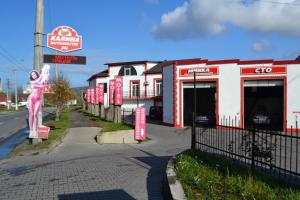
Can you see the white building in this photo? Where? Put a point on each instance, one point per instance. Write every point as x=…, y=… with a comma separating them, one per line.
x=232, y=89
x=142, y=83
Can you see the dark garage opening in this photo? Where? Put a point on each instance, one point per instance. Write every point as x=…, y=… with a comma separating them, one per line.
x=206, y=103
x=264, y=104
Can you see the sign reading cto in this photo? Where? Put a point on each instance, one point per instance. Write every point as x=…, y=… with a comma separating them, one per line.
x=64, y=39
x=263, y=70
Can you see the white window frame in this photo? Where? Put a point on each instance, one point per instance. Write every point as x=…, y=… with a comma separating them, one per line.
x=135, y=86
x=158, y=88
x=127, y=69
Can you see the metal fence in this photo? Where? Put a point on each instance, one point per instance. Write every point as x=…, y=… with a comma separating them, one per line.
x=128, y=116
x=270, y=152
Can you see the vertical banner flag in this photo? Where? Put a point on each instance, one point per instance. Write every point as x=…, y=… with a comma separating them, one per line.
x=111, y=91
x=92, y=95
x=89, y=95
x=97, y=94
x=101, y=93
x=118, y=90
x=140, y=124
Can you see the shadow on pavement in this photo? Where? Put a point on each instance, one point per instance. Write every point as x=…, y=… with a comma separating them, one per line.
x=156, y=174
x=109, y=194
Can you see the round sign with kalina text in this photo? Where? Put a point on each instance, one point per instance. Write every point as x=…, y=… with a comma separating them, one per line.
x=64, y=39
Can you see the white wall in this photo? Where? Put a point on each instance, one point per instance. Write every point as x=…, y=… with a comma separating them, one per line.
x=150, y=79
x=293, y=95
x=229, y=91
x=168, y=94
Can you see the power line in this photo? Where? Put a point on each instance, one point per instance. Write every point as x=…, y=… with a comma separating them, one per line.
x=8, y=56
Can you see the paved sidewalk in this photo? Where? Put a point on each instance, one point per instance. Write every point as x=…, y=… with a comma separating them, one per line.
x=79, y=168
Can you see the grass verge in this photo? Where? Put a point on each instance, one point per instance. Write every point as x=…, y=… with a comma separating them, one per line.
x=107, y=126
x=57, y=129
x=208, y=176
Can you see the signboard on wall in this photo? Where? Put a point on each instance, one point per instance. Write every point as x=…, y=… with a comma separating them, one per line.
x=140, y=132
x=263, y=70
x=101, y=93
x=118, y=90
x=64, y=59
x=111, y=91
x=200, y=71
x=64, y=39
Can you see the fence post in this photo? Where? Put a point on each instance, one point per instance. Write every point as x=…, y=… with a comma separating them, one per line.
x=132, y=117
x=193, y=138
x=253, y=150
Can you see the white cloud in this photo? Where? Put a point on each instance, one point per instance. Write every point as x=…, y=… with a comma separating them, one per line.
x=261, y=46
x=198, y=18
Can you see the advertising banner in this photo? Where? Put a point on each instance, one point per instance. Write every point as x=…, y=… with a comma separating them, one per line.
x=200, y=71
x=97, y=90
x=263, y=70
x=92, y=95
x=101, y=93
x=140, y=132
x=89, y=95
x=64, y=39
x=111, y=91
x=118, y=90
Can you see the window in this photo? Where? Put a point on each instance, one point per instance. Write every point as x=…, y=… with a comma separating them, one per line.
x=105, y=87
x=158, y=88
x=134, y=89
x=127, y=71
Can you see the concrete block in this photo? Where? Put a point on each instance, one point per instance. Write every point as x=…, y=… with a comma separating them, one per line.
x=117, y=137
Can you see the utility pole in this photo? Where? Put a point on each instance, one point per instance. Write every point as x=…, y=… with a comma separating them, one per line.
x=38, y=49
x=38, y=35
x=7, y=94
x=16, y=91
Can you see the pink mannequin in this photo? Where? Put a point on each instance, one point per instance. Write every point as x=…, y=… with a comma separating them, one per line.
x=35, y=100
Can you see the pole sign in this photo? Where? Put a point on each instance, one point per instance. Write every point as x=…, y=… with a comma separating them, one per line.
x=101, y=93
x=64, y=39
x=118, y=90
x=140, y=124
x=65, y=59
x=263, y=70
x=111, y=91
x=200, y=71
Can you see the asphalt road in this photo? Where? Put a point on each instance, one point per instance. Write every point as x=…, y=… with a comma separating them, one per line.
x=12, y=122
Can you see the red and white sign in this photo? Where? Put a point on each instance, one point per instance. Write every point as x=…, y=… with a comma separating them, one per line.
x=89, y=95
x=101, y=93
x=64, y=39
x=97, y=90
x=118, y=90
x=263, y=70
x=43, y=132
x=200, y=71
x=92, y=95
x=111, y=91
x=140, y=132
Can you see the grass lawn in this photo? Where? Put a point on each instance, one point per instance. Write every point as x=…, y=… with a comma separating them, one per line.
x=208, y=176
x=58, y=128
x=107, y=126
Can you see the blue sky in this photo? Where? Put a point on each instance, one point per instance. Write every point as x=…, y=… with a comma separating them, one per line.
x=131, y=30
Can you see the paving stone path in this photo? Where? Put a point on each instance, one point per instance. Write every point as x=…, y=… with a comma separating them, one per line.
x=79, y=168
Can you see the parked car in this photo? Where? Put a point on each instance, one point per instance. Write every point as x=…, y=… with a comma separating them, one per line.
x=155, y=112
x=2, y=106
x=261, y=119
x=206, y=119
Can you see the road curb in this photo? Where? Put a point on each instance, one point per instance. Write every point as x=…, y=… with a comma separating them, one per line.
x=58, y=141
x=172, y=186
